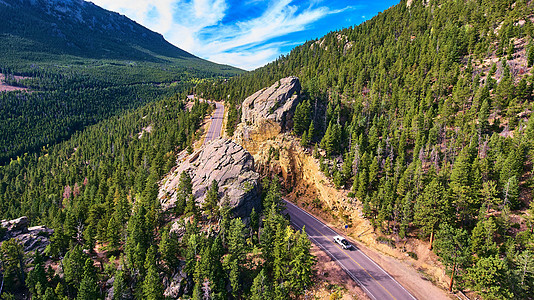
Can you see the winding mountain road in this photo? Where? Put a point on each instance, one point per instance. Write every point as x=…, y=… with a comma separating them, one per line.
x=376, y=282
x=216, y=123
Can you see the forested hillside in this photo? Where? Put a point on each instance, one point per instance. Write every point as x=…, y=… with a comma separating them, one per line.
x=78, y=28
x=80, y=64
x=424, y=113
x=98, y=191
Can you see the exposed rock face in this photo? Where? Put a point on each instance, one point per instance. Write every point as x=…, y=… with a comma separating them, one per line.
x=267, y=113
x=32, y=238
x=274, y=103
x=227, y=163
x=176, y=287
x=15, y=227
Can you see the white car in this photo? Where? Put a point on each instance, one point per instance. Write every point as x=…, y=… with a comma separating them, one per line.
x=343, y=242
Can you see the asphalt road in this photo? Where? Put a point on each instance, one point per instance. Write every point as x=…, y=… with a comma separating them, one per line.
x=376, y=282
x=216, y=123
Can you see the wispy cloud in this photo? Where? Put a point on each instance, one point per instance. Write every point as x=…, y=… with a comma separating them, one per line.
x=200, y=27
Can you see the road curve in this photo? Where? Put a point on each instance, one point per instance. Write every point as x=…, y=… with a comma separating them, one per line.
x=216, y=123
x=376, y=282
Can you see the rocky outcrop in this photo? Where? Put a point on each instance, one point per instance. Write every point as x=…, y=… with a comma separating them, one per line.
x=15, y=227
x=227, y=163
x=274, y=103
x=31, y=238
x=267, y=113
x=178, y=284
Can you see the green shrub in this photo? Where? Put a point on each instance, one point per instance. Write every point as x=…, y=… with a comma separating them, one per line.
x=412, y=255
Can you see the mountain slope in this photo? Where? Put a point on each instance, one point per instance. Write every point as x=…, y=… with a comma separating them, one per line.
x=81, y=64
x=79, y=28
x=424, y=114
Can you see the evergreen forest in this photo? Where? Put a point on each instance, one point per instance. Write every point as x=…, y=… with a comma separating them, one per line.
x=424, y=114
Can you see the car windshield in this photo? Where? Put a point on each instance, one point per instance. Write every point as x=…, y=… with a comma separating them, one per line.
x=345, y=242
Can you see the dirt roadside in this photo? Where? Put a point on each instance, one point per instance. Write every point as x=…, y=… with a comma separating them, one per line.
x=332, y=282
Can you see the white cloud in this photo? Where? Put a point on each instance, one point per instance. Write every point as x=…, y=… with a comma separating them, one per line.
x=196, y=26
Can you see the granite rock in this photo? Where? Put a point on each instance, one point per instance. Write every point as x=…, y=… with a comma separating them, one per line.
x=267, y=113
x=31, y=238
x=224, y=161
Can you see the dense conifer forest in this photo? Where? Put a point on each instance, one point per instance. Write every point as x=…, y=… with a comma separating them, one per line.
x=98, y=191
x=62, y=101
x=424, y=113
x=99, y=121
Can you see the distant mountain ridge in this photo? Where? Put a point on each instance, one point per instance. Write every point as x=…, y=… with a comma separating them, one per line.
x=80, y=28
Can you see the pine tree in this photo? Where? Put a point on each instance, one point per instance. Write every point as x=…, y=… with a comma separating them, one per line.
x=261, y=287
x=88, y=289
x=327, y=143
x=311, y=132
x=184, y=193
x=89, y=237
x=120, y=288
x=274, y=196
x=49, y=294
x=430, y=208
x=169, y=247
x=197, y=292
x=226, y=216
x=236, y=239
x=254, y=222
x=211, y=202
x=12, y=264
x=73, y=267
x=137, y=240
x=483, y=116
x=524, y=273
x=234, y=276
x=487, y=277
x=301, y=119
x=304, y=139
x=37, y=276
x=482, y=238
x=152, y=285
x=203, y=266
x=114, y=232
x=191, y=254
x=452, y=246
x=301, y=266
x=191, y=208
x=281, y=253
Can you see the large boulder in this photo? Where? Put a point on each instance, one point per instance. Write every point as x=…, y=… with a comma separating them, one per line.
x=227, y=163
x=32, y=238
x=267, y=113
x=16, y=226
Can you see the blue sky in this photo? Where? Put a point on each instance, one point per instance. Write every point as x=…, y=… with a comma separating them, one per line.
x=248, y=33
